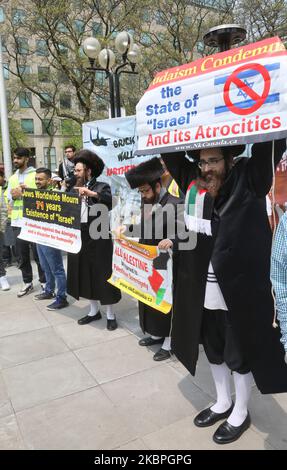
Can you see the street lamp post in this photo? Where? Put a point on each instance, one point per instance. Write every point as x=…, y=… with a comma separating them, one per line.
x=224, y=36
x=130, y=54
x=4, y=121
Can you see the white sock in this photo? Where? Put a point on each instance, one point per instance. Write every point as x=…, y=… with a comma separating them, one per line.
x=221, y=376
x=156, y=337
x=94, y=308
x=243, y=385
x=166, y=343
x=110, y=312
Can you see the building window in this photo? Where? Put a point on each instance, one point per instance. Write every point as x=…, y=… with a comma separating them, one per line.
x=146, y=15
x=45, y=100
x=62, y=77
x=2, y=15
x=97, y=29
x=27, y=126
x=63, y=49
x=47, y=126
x=50, y=158
x=100, y=77
x=6, y=71
x=24, y=70
x=22, y=45
x=8, y=97
x=146, y=39
x=44, y=74
x=65, y=101
x=18, y=17
x=200, y=47
x=61, y=27
x=42, y=48
x=79, y=26
x=25, y=99
x=3, y=42
x=159, y=18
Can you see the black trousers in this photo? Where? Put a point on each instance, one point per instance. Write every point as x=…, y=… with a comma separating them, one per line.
x=23, y=249
x=220, y=343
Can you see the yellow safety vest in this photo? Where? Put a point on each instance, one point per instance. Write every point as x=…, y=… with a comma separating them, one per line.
x=17, y=204
x=173, y=189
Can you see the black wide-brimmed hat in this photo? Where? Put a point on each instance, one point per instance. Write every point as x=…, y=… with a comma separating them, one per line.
x=91, y=160
x=233, y=150
x=144, y=173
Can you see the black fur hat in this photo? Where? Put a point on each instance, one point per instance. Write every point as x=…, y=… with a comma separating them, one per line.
x=91, y=160
x=144, y=173
x=233, y=150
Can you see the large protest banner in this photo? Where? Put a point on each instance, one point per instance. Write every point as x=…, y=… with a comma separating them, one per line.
x=237, y=96
x=115, y=142
x=143, y=272
x=52, y=218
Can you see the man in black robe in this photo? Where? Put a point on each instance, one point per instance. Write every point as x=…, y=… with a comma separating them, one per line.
x=89, y=270
x=157, y=205
x=223, y=294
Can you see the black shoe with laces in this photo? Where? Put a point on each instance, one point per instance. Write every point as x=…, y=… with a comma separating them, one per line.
x=45, y=296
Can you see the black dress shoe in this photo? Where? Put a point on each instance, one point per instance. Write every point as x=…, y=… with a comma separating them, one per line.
x=88, y=318
x=149, y=341
x=208, y=417
x=112, y=324
x=162, y=354
x=227, y=433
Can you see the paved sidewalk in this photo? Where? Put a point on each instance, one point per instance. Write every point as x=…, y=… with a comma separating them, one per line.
x=65, y=386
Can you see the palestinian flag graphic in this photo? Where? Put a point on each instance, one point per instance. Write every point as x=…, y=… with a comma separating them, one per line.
x=156, y=279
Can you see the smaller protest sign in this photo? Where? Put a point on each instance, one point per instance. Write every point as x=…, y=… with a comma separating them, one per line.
x=52, y=218
x=143, y=272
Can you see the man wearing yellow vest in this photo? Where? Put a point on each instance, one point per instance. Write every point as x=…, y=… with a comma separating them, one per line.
x=24, y=177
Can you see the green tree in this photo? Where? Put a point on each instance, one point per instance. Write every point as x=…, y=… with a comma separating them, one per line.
x=18, y=138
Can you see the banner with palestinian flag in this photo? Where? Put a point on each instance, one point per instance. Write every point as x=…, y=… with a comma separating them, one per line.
x=143, y=272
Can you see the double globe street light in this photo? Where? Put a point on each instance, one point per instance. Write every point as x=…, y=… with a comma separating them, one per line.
x=130, y=53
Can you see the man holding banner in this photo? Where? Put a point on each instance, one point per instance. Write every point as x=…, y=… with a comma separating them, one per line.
x=210, y=108
x=51, y=259
x=227, y=279
x=154, y=226
x=89, y=270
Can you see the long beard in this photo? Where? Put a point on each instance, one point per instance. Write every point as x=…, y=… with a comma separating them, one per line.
x=211, y=182
x=80, y=181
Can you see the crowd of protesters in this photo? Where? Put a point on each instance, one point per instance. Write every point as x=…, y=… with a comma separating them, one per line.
x=222, y=287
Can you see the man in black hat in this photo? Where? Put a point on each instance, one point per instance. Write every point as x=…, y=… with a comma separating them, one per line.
x=223, y=295
x=155, y=204
x=90, y=269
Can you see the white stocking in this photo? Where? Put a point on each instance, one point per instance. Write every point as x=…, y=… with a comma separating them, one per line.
x=94, y=308
x=221, y=376
x=166, y=343
x=243, y=385
x=110, y=312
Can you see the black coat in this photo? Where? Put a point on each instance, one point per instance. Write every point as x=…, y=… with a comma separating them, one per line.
x=151, y=320
x=89, y=269
x=240, y=249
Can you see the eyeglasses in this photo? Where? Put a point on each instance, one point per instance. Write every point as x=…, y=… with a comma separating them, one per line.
x=212, y=162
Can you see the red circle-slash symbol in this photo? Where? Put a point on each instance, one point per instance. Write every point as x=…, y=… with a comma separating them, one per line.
x=259, y=99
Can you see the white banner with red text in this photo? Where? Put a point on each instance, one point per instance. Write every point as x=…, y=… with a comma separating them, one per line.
x=233, y=97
